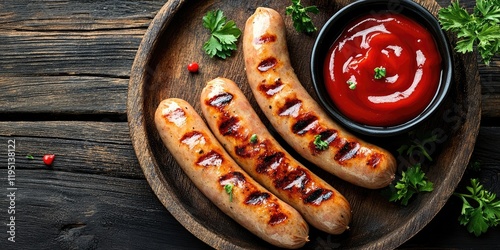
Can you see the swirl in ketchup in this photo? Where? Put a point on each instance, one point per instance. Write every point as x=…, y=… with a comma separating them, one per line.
x=402, y=48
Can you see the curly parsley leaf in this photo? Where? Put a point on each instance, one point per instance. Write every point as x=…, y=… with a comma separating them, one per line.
x=413, y=181
x=223, y=35
x=301, y=20
x=481, y=28
x=480, y=209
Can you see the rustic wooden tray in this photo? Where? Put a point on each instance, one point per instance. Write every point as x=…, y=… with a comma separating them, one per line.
x=175, y=38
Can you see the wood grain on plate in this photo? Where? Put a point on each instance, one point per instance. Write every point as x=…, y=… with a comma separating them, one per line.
x=175, y=38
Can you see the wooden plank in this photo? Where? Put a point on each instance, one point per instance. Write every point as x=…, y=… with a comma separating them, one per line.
x=490, y=91
x=69, y=56
x=101, y=148
x=61, y=210
x=64, y=95
x=487, y=154
x=76, y=15
x=94, y=53
x=73, y=37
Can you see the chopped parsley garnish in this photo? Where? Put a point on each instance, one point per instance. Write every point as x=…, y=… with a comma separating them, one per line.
x=229, y=190
x=379, y=72
x=320, y=144
x=352, y=84
x=253, y=138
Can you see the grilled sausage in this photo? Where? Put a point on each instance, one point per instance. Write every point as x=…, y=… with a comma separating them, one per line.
x=211, y=169
x=297, y=116
x=236, y=125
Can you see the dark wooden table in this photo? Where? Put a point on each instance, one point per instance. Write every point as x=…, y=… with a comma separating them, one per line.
x=64, y=73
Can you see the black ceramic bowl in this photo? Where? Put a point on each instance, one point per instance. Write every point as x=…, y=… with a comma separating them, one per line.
x=335, y=26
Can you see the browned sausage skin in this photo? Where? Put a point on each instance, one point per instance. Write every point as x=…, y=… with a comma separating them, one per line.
x=297, y=117
x=233, y=121
x=210, y=168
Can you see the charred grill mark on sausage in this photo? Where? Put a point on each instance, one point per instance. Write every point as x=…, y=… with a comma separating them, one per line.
x=267, y=64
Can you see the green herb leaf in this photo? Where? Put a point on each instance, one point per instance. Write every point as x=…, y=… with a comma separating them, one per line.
x=474, y=166
x=418, y=145
x=253, y=138
x=413, y=181
x=30, y=157
x=352, y=84
x=481, y=28
x=301, y=20
x=379, y=72
x=319, y=143
x=485, y=214
x=223, y=36
x=229, y=190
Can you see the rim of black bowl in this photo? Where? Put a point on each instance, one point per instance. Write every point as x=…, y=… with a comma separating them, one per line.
x=357, y=9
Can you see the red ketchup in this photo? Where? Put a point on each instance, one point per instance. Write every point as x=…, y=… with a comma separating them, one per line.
x=393, y=43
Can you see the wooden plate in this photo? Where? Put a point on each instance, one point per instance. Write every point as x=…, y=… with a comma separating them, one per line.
x=175, y=38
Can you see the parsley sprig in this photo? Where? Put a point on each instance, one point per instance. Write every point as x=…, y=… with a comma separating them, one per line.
x=485, y=214
x=413, y=181
x=301, y=20
x=223, y=35
x=481, y=28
